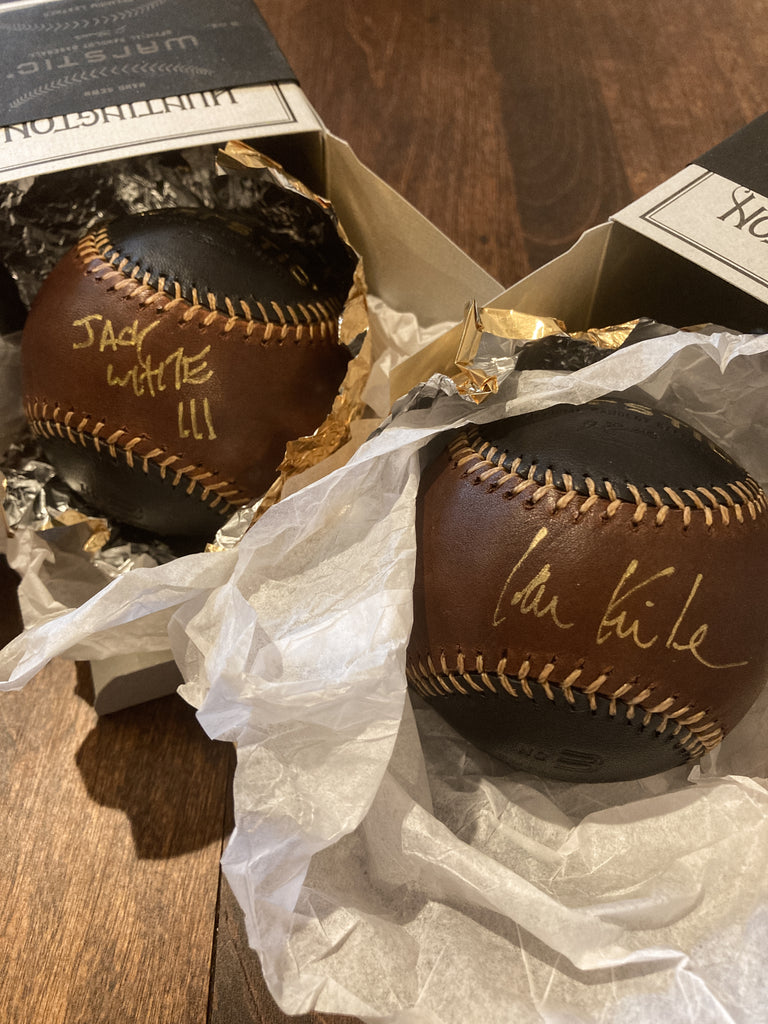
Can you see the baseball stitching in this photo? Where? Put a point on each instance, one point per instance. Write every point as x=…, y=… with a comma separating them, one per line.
x=311, y=320
x=697, y=731
x=488, y=462
x=47, y=422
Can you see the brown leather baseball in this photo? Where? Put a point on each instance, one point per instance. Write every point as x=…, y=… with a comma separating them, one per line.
x=170, y=356
x=590, y=591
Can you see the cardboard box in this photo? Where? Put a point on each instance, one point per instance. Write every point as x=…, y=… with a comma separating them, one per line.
x=154, y=87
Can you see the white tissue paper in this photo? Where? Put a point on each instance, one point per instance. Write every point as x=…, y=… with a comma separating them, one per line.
x=387, y=869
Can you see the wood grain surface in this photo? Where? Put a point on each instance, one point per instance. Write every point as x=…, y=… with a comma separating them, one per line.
x=513, y=125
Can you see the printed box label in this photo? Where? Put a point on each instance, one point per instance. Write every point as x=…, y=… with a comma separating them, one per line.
x=712, y=221
x=74, y=55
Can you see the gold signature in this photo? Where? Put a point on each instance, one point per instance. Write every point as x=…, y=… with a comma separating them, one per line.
x=528, y=590
x=148, y=376
x=532, y=597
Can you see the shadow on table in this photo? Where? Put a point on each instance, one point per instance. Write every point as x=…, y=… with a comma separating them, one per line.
x=155, y=763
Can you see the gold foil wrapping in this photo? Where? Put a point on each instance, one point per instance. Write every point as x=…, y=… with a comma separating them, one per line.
x=454, y=353
x=305, y=452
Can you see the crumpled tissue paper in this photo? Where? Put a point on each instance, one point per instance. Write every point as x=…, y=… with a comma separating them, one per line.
x=387, y=869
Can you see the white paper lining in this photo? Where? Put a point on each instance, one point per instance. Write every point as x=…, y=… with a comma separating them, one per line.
x=385, y=868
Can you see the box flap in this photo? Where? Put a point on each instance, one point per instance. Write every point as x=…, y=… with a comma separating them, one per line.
x=565, y=287
x=408, y=262
x=152, y=126
x=743, y=157
x=715, y=212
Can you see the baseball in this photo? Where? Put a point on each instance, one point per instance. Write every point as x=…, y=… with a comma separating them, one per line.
x=169, y=357
x=591, y=591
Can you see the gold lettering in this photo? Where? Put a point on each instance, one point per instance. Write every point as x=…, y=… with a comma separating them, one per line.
x=614, y=622
x=611, y=622
x=527, y=588
x=531, y=597
x=107, y=339
x=113, y=380
x=193, y=418
x=183, y=432
x=195, y=429
x=147, y=376
x=208, y=420
x=196, y=369
x=176, y=358
x=127, y=337
x=698, y=636
x=90, y=335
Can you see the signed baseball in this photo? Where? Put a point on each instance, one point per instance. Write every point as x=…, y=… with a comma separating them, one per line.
x=169, y=357
x=591, y=591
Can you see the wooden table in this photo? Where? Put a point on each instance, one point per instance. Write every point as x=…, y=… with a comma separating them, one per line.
x=512, y=125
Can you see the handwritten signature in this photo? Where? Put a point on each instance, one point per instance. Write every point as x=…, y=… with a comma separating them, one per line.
x=147, y=376
x=528, y=590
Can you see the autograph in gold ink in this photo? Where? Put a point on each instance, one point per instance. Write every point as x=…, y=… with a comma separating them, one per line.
x=149, y=376
x=528, y=590
x=615, y=620
x=188, y=413
x=531, y=597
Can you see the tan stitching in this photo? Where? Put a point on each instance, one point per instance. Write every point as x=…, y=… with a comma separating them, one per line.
x=318, y=319
x=700, y=732
x=485, y=463
x=588, y=504
x=57, y=424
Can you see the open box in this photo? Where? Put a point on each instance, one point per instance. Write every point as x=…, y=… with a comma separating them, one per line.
x=381, y=865
x=658, y=256
x=157, y=90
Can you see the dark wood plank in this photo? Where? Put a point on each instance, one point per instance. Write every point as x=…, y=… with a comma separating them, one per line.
x=109, y=865
x=411, y=87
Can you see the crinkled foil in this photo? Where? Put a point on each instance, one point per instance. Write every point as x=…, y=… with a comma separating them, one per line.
x=472, y=352
x=43, y=217
x=34, y=498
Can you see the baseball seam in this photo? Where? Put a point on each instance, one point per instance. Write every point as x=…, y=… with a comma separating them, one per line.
x=47, y=422
x=487, y=465
x=739, y=501
x=694, y=730
x=310, y=321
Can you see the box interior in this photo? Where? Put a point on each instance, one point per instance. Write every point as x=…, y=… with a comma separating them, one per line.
x=613, y=275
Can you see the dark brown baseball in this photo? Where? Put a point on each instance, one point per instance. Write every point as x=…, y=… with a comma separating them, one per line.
x=169, y=357
x=590, y=593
